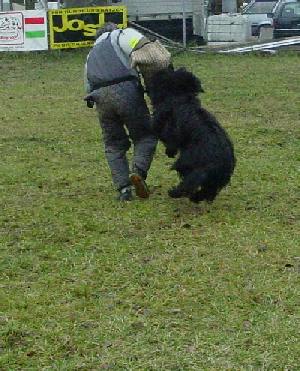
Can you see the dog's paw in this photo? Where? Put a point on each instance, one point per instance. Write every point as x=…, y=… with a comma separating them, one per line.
x=196, y=197
x=203, y=196
x=175, y=193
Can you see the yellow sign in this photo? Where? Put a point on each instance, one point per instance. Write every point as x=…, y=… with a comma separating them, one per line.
x=76, y=27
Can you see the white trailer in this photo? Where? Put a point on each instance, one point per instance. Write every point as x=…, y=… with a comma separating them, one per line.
x=157, y=9
x=140, y=9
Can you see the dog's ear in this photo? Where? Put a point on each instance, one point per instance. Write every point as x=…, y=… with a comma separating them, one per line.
x=187, y=82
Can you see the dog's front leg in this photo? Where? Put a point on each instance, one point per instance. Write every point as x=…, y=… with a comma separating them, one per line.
x=191, y=181
x=171, y=141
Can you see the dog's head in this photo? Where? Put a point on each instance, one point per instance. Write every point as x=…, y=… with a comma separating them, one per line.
x=167, y=83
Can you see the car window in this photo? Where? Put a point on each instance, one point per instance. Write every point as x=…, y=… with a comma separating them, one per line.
x=261, y=7
x=291, y=10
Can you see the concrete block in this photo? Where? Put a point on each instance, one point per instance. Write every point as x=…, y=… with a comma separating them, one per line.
x=228, y=28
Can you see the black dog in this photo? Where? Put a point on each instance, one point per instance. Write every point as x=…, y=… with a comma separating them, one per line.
x=206, y=157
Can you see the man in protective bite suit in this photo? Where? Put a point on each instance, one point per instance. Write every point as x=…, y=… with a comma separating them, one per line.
x=112, y=80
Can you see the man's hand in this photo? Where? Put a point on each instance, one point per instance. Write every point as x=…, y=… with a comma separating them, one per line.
x=89, y=102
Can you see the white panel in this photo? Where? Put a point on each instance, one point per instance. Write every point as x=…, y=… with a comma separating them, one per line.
x=23, y=30
x=144, y=7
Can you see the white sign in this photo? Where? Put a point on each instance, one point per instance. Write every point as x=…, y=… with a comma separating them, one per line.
x=23, y=30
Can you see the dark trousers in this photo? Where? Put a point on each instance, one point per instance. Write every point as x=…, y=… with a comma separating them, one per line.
x=125, y=119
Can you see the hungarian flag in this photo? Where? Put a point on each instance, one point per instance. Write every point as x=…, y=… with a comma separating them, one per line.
x=34, y=27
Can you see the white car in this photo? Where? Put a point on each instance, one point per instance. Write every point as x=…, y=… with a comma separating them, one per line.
x=260, y=14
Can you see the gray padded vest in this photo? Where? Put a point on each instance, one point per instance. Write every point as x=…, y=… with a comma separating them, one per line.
x=104, y=66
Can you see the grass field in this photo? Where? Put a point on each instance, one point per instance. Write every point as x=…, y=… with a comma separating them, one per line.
x=87, y=283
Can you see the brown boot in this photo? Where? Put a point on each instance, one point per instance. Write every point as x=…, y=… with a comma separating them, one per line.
x=141, y=188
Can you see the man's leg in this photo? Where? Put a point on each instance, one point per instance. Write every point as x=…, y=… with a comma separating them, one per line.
x=116, y=144
x=143, y=154
x=144, y=147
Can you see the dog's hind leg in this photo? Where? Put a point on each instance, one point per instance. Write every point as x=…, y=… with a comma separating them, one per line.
x=189, y=184
x=204, y=195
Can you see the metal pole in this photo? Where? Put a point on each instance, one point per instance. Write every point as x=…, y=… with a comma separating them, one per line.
x=183, y=24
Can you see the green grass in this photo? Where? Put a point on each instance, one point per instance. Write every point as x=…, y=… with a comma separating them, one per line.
x=87, y=283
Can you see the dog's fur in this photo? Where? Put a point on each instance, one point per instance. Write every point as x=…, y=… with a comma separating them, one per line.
x=206, y=157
